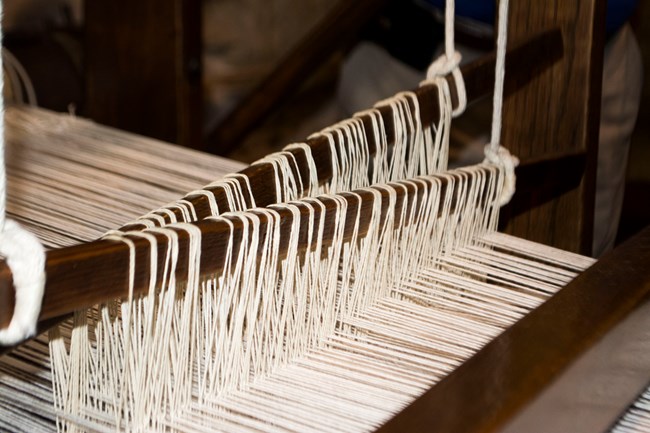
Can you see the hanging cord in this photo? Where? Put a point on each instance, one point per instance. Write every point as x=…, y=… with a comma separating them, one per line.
x=494, y=152
x=449, y=61
x=24, y=255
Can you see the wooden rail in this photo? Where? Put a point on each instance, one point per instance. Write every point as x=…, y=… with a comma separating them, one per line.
x=88, y=274
x=498, y=381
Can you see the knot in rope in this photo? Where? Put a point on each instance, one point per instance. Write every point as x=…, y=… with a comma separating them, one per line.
x=444, y=65
x=25, y=257
x=502, y=158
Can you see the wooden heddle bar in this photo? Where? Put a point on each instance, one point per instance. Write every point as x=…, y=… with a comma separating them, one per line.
x=72, y=271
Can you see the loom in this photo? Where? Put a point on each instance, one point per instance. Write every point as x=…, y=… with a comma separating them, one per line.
x=489, y=278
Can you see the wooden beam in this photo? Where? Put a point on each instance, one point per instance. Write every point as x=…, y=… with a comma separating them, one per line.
x=89, y=274
x=557, y=112
x=488, y=389
x=523, y=59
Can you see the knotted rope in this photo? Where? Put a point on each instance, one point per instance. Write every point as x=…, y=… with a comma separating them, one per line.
x=449, y=61
x=495, y=153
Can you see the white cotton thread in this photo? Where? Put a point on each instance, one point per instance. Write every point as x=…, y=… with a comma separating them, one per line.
x=25, y=257
x=284, y=342
x=499, y=74
x=65, y=185
x=503, y=159
x=378, y=134
x=311, y=392
x=287, y=175
x=495, y=153
x=449, y=61
x=313, y=184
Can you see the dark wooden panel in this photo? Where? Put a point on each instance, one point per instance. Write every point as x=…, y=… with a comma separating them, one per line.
x=143, y=67
x=558, y=112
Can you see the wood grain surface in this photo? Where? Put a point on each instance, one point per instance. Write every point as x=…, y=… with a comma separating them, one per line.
x=558, y=111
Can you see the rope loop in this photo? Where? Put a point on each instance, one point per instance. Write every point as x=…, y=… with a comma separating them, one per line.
x=449, y=61
x=443, y=65
x=25, y=257
x=502, y=159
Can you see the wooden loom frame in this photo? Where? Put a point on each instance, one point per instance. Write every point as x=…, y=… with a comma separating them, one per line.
x=107, y=261
x=84, y=275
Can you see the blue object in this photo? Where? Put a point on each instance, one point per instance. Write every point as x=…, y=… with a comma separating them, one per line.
x=618, y=11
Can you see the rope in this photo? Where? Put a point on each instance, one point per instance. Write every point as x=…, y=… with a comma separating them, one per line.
x=494, y=152
x=449, y=61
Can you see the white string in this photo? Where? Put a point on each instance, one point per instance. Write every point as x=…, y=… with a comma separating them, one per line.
x=288, y=181
x=499, y=74
x=308, y=297
x=419, y=150
x=25, y=256
x=450, y=9
x=70, y=181
x=356, y=262
x=449, y=61
x=494, y=152
x=313, y=185
x=265, y=315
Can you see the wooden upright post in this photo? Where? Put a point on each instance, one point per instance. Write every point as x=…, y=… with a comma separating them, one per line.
x=557, y=114
x=143, y=67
